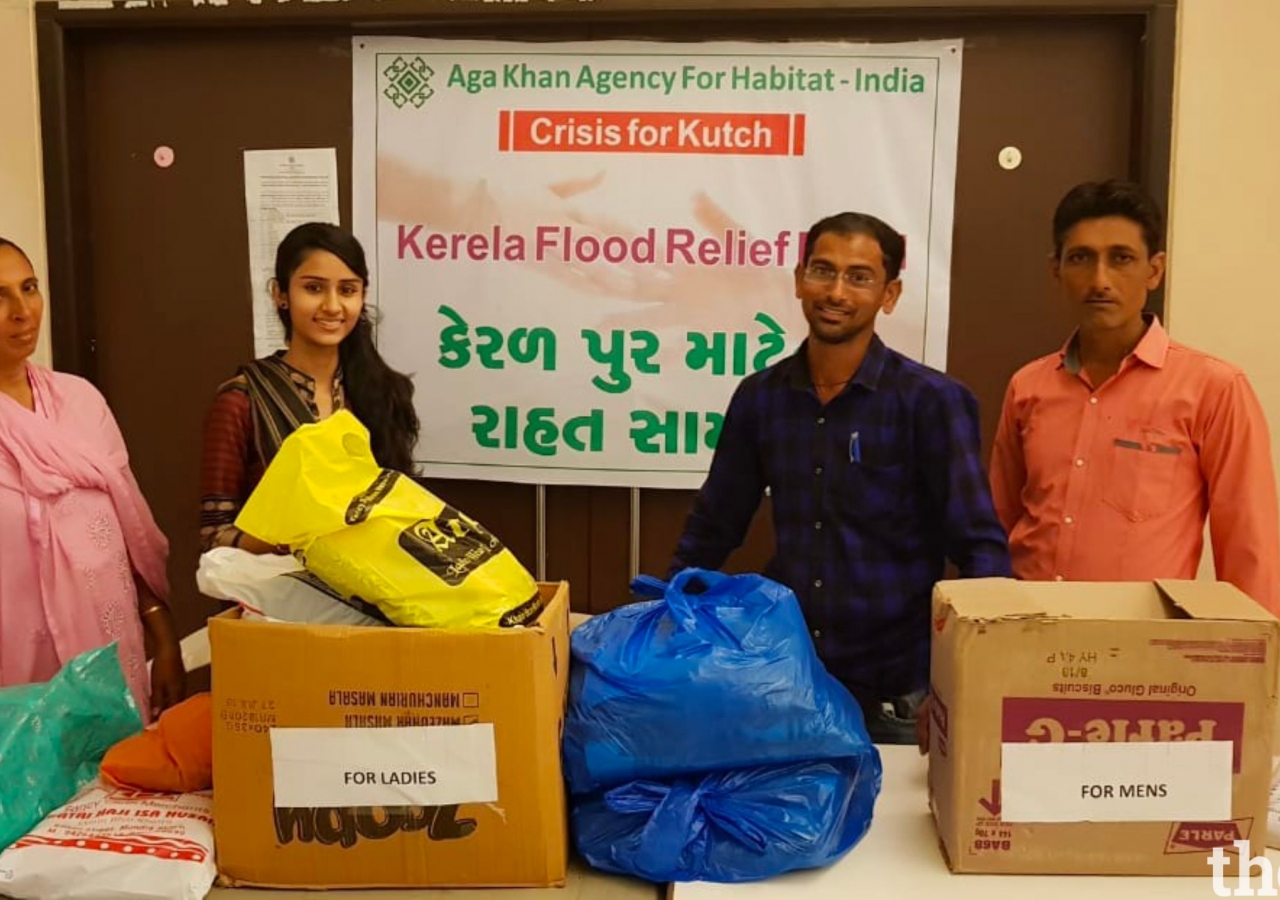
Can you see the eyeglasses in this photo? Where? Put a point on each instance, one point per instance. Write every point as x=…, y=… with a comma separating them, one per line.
x=858, y=279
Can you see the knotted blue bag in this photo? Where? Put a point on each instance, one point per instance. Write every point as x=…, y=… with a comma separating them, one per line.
x=704, y=738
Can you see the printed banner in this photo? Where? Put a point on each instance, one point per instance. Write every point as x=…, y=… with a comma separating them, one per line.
x=579, y=250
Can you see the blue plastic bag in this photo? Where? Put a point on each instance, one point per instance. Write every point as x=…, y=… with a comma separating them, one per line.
x=705, y=740
x=698, y=682
x=54, y=734
x=730, y=827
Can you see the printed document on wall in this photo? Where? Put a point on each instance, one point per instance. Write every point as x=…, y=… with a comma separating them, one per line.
x=282, y=189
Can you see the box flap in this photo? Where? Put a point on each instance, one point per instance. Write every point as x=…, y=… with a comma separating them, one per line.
x=1213, y=600
x=988, y=599
x=994, y=599
x=555, y=614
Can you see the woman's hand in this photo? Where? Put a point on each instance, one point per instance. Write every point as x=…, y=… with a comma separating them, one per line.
x=168, y=679
x=168, y=676
x=246, y=541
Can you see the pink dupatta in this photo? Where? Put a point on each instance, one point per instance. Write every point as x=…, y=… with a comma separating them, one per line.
x=74, y=447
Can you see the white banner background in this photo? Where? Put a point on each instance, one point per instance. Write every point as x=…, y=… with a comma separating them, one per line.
x=455, y=143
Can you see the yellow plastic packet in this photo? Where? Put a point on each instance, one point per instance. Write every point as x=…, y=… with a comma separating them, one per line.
x=376, y=535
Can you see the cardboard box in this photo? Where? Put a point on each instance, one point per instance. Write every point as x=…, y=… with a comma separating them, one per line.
x=1099, y=728
x=390, y=757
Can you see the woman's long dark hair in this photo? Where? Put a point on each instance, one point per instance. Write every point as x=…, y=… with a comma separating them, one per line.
x=380, y=397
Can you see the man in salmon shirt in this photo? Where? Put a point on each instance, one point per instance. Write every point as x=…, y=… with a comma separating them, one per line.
x=1111, y=452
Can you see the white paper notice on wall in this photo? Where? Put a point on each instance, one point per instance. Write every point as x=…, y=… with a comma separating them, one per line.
x=389, y=767
x=1104, y=782
x=282, y=189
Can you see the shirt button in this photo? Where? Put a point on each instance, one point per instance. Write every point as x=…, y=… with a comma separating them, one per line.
x=817, y=526
x=818, y=470
x=817, y=633
x=822, y=420
x=1093, y=400
x=817, y=582
x=1069, y=520
x=1079, y=463
x=1057, y=578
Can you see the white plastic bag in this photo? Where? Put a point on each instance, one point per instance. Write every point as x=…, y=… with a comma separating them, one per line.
x=116, y=844
x=275, y=587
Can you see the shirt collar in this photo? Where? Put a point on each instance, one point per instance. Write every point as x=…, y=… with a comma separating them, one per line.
x=1151, y=350
x=867, y=376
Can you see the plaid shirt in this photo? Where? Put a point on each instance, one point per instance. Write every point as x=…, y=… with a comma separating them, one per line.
x=871, y=494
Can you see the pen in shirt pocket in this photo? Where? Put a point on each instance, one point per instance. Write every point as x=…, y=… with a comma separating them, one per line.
x=855, y=448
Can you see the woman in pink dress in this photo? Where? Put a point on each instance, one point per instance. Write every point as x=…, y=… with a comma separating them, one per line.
x=82, y=563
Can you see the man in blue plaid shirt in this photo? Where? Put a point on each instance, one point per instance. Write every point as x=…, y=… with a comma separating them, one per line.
x=873, y=463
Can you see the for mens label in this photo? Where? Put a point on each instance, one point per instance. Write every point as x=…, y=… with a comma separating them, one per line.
x=1101, y=782
x=388, y=767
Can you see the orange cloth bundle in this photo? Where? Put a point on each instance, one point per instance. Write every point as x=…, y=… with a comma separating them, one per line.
x=173, y=756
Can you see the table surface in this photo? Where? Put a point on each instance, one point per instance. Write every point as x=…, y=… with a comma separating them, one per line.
x=900, y=858
x=582, y=884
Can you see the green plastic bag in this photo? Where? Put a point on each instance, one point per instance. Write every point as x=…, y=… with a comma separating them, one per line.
x=54, y=734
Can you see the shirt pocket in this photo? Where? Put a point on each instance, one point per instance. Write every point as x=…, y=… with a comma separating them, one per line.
x=873, y=496
x=1144, y=461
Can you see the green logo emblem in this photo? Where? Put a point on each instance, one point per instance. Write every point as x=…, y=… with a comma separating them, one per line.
x=408, y=82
